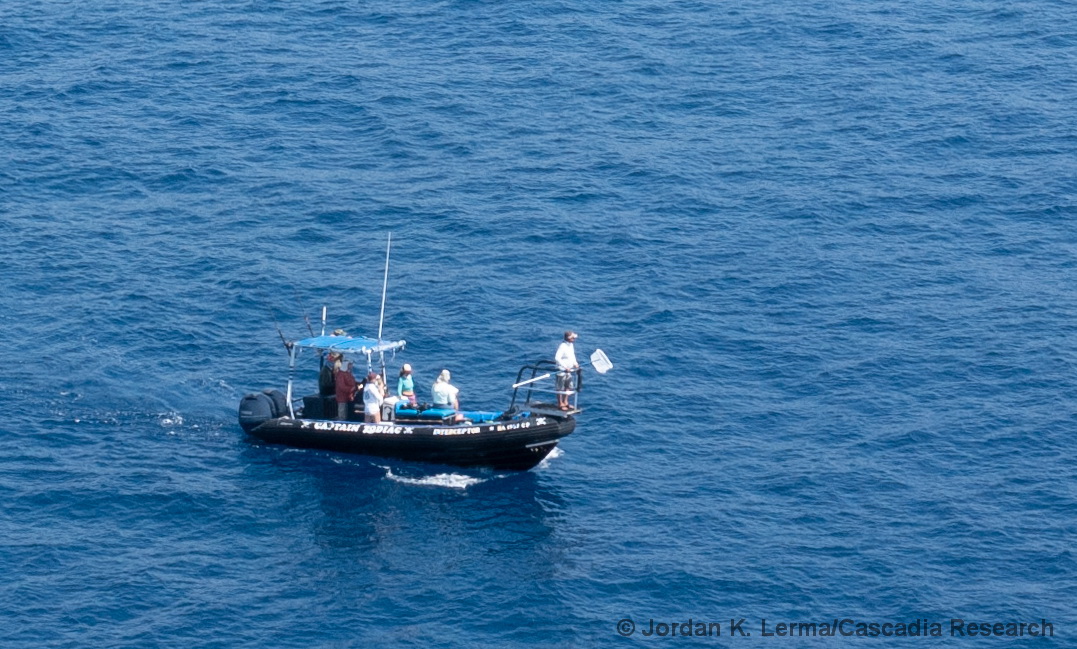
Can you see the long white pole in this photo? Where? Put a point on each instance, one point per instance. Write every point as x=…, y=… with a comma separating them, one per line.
x=384, y=286
x=537, y=378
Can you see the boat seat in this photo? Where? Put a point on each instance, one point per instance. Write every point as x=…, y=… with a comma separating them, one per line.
x=424, y=412
x=480, y=416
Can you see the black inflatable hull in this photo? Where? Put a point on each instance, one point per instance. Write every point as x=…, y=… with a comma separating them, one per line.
x=516, y=445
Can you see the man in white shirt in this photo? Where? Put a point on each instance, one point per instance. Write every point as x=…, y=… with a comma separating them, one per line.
x=445, y=394
x=373, y=394
x=566, y=363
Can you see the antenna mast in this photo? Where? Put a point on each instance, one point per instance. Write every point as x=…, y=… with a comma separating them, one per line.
x=384, y=286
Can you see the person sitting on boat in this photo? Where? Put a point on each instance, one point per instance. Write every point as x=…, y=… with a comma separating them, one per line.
x=373, y=395
x=445, y=394
x=345, y=387
x=405, y=385
x=566, y=362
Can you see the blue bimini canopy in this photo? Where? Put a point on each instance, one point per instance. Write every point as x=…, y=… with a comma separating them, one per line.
x=349, y=345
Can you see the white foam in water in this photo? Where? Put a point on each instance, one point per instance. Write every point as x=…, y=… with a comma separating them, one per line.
x=451, y=480
x=173, y=419
x=554, y=454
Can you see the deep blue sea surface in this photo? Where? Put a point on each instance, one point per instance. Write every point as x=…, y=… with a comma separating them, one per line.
x=830, y=247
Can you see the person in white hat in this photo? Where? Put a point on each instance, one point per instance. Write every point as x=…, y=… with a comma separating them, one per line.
x=405, y=385
x=567, y=366
x=445, y=394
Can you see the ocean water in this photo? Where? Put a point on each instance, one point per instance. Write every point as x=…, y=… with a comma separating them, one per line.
x=829, y=247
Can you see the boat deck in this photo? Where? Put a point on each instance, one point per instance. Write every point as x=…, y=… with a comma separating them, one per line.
x=551, y=410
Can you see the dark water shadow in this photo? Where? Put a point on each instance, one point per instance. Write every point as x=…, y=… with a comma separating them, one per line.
x=363, y=505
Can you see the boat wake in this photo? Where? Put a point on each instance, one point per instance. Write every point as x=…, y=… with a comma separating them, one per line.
x=554, y=454
x=449, y=480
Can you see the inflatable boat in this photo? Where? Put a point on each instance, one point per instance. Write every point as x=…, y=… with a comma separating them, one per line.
x=517, y=438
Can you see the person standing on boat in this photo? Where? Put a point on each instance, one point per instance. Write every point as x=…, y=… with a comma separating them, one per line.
x=445, y=394
x=345, y=387
x=405, y=385
x=373, y=395
x=566, y=363
x=326, y=385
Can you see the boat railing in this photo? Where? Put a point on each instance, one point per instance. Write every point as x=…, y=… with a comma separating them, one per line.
x=538, y=378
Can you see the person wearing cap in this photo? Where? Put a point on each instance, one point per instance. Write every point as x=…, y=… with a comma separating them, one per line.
x=339, y=332
x=373, y=395
x=405, y=385
x=445, y=394
x=566, y=363
x=326, y=385
x=345, y=387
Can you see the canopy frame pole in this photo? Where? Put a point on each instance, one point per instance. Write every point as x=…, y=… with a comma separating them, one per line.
x=323, y=319
x=293, y=351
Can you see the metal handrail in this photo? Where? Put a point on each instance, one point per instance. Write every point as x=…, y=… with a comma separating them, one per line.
x=549, y=369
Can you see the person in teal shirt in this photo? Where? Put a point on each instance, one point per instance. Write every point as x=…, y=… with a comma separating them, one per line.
x=405, y=385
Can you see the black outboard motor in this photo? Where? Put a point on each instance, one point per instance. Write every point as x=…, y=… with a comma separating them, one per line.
x=254, y=409
x=280, y=402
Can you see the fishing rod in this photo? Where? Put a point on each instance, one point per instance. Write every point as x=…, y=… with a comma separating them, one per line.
x=299, y=304
x=287, y=345
x=273, y=316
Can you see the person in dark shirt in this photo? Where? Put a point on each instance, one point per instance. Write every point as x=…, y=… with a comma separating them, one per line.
x=345, y=387
x=326, y=384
